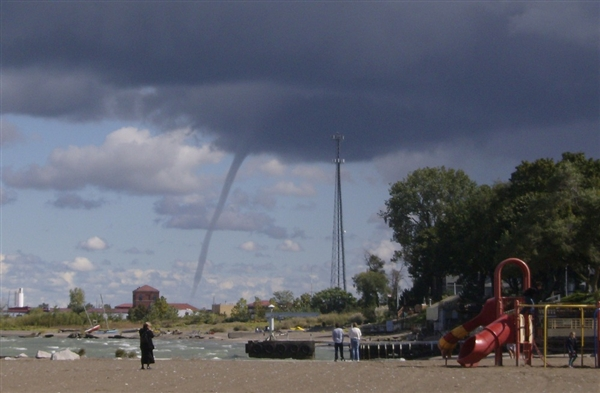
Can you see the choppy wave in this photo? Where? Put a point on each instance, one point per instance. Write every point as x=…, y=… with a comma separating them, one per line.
x=106, y=348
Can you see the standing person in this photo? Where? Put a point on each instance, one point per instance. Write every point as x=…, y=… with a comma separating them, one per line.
x=511, y=347
x=528, y=298
x=146, y=345
x=338, y=341
x=571, y=345
x=355, y=336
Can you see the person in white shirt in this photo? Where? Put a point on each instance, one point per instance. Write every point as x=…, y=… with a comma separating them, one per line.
x=355, y=336
x=338, y=341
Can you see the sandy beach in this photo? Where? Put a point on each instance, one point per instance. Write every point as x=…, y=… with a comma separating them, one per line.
x=261, y=376
x=114, y=375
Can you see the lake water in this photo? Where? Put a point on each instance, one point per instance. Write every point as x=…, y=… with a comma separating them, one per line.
x=165, y=349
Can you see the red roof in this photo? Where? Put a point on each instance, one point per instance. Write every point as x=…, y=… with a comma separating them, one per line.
x=146, y=288
x=179, y=306
x=264, y=303
x=19, y=310
x=183, y=306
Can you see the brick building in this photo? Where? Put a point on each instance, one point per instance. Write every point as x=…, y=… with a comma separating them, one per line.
x=145, y=295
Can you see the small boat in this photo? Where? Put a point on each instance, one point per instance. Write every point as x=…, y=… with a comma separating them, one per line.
x=92, y=329
x=108, y=331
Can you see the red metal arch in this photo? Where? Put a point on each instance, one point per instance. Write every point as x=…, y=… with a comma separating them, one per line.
x=498, y=280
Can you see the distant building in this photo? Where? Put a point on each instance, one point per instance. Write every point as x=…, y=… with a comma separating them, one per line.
x=145, y=296
x=223, y=309
x=252, y=307
x=452, y=285
x=183, y=309
x=18, y=311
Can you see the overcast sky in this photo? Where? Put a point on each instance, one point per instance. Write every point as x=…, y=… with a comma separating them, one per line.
x=120, y=121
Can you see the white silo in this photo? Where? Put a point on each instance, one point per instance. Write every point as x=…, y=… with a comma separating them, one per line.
x=21, y=298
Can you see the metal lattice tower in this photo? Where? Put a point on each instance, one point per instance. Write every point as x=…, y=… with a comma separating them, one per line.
x=338, y=262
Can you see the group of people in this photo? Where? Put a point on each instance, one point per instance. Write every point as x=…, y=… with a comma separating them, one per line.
x=338, y=342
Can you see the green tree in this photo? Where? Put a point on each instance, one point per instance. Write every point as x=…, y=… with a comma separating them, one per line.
x=138, y=313
x=77, y=300
x=259, y=309
x=283, y=299
x=415, y=206
x=303, y=303
x=372, y=285
x=240, y=312
x=333, y=300
x=553, y=218
x=468, y=239
x=162, y=311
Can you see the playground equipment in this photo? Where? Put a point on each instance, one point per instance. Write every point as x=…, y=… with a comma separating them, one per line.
x=595, y=327
x=512, y=327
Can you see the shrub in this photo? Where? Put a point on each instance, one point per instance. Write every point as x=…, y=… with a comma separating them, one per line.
x=329, y=320
x=358, y=318
x=581, y=298
x=131, y=354
x=81, y=352
x=120, y=353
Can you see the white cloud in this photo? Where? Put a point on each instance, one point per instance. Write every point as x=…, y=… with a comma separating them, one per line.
x=130, y=160
x=94, y=243
x=384, y=250
x=226, y=284
x=48, y=282
x=80, y=264
x=273, y=167
x=3, y=266
x=249, y=246
x=289, y=245
x=59, y=279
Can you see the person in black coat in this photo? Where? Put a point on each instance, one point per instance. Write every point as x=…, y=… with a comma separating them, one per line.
x=146, y=345
x=571, y=345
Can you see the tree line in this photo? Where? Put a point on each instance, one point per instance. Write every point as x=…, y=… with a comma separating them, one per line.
x=547, y=214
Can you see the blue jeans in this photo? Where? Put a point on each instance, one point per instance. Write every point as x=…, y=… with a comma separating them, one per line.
x=354, y=349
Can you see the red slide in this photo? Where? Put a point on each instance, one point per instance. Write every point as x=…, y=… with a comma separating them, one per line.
x=493, y=336
x=485, y=317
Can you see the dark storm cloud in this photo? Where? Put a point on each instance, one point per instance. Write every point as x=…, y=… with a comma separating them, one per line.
x=281, y=77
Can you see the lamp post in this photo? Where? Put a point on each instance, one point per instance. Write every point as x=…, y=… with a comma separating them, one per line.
x=271, y=322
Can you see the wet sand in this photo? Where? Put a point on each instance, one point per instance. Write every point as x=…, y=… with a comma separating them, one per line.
x=261, y=376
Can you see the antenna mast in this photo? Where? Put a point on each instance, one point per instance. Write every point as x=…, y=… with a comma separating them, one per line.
x=338, y=262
